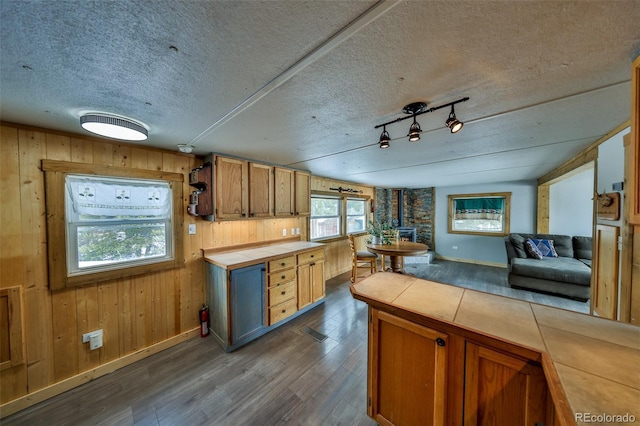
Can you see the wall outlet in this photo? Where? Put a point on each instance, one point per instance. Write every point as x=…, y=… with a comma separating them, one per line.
x=455, y=247
x=284, y=232
x=94, y=338
x=297, y=231
x=192, y=229
x=293, y=231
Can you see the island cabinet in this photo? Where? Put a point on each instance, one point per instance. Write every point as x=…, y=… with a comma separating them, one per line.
x=311, y=283
x=407, y=373
x=417, y=377
x=252, y=291
x=502, y=389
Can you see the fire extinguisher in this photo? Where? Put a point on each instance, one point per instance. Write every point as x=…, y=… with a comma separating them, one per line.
x=204, y=320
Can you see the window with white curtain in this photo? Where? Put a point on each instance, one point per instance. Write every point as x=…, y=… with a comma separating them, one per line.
x=114, y=222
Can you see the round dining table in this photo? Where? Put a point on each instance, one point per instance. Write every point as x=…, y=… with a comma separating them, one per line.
x=396, y=251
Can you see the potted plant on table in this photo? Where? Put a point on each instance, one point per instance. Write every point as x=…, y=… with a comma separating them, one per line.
x=377, y=231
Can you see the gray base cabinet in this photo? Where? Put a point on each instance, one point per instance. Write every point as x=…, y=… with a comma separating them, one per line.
x=247, y=302
x=238, y=305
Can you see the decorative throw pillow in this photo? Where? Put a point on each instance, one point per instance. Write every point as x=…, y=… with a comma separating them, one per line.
x=532, y=249
x=545, y=247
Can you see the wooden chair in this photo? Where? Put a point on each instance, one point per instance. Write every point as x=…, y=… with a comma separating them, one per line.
x=393, y=236
x=360, y=259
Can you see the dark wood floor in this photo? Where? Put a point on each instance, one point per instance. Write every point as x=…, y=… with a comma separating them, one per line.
x=489, y=279
x=284, y=377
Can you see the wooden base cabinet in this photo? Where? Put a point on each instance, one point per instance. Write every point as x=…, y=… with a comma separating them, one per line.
x=502, y=390
x=311, y=285
x=419, y=375
x=407, y=372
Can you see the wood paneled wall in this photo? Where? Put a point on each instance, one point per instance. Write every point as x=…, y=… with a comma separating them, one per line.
x=139, y=315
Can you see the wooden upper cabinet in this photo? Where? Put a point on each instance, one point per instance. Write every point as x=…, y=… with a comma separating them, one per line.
x=284, y=191
x=634, y=172
x=260, y=190
x=303, y=193
x=231, y=187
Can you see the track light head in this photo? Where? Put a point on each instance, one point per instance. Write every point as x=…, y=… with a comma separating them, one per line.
x=414, y=131
x=453, y=123
x=385, y=140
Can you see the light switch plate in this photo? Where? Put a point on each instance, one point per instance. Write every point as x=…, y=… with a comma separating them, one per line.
x=192, y=229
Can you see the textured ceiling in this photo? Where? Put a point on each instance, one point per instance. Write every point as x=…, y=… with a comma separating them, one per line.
x=304, y=83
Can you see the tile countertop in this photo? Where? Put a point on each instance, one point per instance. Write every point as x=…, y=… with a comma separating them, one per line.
x=596, y=361
x=250, y=256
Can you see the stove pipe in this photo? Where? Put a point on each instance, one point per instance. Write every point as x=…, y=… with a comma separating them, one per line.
x=400, y=207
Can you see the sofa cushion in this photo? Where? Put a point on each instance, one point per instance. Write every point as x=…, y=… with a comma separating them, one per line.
x=532, y=249
x=582, y=247
x=560, y=269
x=562, y=243
x=517, y=241
x=545, y=247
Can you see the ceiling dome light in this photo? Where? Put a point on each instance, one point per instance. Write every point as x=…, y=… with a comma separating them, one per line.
x=384, y=139
x=414, y=131
x=113, y=127
x=453, y=123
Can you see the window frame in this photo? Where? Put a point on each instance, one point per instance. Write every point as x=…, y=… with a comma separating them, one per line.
x=343, y=214
x=347, y=215
x=506, y=216
x=339, y=215
x=55, y=176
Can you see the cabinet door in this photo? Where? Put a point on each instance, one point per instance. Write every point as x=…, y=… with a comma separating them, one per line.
x=260, y=190
x=231, y=188
x=502, y=390
x=304, y=286
x=247, y=302
x=284, y=192
x=407, y=371
x=317, y=280
x=633, y=191
x=303, y=193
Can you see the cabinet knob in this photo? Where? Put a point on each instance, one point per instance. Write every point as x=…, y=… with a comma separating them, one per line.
x=282, y=264
x=283, y=293
x=440, y=341
x=284, y=311
x=312, y=256
x=282, y=277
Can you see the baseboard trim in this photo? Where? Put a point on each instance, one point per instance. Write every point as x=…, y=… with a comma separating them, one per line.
x=475, y=262
x=43, y=394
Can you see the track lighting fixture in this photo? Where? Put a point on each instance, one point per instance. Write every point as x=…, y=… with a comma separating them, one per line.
x=415, y=109
x=385, y=140
x=453, y=123
x=414, y=131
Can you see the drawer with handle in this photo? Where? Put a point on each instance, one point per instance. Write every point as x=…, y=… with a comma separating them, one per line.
x=281, y=277
x=310, y=256
x=283, y=263
x=282, y=293
x=282, y=311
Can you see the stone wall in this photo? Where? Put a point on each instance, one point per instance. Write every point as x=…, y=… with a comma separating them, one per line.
x=419, y=211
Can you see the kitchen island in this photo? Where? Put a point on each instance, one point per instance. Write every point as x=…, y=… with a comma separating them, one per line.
x=440, y=354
